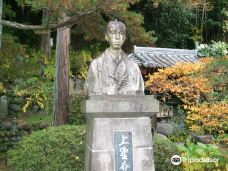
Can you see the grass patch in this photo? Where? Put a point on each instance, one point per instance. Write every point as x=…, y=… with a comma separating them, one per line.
x=37, y=119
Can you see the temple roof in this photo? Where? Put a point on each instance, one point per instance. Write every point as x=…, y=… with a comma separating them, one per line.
x=151, y=57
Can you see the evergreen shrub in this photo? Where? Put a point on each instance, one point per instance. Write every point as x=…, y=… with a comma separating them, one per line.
x=53, y=149
x=164, y=149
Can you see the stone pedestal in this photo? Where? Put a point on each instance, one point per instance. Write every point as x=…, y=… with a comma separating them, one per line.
x=118, y=136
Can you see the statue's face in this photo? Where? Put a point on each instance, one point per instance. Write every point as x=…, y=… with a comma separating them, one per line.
x=115, y=36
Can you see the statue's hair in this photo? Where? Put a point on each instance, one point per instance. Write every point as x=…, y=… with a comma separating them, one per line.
x=119, y=24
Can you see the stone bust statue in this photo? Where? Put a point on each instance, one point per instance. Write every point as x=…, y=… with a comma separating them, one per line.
x=113, y=73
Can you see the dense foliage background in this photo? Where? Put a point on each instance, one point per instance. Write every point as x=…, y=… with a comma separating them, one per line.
x=27, y=67
x=161, y=23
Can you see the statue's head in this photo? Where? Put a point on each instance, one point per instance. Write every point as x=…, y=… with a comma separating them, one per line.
x=115, y=34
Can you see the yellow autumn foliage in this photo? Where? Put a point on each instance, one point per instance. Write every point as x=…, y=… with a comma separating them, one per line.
x=208, y=118
x=37, y=97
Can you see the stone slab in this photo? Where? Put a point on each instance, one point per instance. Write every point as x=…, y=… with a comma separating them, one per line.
x=100, y=131
x=120, y=106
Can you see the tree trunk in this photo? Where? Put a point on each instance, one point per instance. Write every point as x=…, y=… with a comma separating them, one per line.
x=45, y=44
x=61, y=92
x=45, y=36
x=1, y=6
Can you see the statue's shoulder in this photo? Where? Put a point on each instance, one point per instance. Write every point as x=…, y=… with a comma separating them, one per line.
x=100, y=57
x=97, y=61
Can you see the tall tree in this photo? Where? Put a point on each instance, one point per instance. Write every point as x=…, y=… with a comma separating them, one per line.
x=61, y=95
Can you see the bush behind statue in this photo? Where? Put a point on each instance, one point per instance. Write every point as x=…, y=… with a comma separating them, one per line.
x=76, y=117
x=53, y=149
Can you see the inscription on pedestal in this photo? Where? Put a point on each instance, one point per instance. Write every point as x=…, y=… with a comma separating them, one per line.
x=123, y=151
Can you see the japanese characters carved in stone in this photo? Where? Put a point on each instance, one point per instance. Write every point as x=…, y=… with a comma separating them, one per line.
x=113, y=73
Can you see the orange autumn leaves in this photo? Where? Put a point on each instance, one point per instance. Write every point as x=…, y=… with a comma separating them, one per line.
x=187, y=82
x=183, y=80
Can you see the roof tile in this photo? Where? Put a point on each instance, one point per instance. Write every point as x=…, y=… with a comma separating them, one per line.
x=161, y=57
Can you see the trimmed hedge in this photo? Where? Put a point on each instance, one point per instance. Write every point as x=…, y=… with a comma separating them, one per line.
x=53, y=149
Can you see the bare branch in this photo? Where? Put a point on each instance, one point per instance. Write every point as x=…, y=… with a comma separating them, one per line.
x=22, y=26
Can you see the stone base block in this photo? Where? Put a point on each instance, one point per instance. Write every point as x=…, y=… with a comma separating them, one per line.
x=102, y=146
